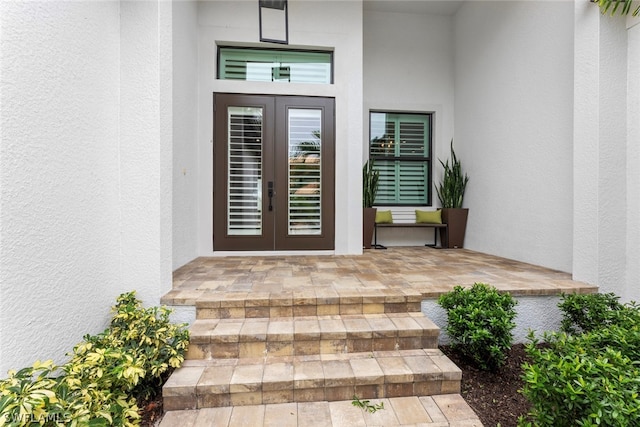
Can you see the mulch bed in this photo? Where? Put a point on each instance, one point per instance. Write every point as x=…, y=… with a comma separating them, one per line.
x=494, y=396
x=151, y=411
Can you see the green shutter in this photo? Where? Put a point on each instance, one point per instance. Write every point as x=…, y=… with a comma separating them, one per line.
x=400, y=146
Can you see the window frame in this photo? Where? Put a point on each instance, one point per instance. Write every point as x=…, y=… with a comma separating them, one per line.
x=428, y=159
x=268, y=50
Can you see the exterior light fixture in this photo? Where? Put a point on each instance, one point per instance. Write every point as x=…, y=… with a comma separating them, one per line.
x=274, y=21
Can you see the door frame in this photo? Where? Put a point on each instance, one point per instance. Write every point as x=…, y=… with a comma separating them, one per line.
x=275, y=156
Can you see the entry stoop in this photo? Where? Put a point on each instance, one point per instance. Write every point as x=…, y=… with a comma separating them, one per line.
x=270, y=351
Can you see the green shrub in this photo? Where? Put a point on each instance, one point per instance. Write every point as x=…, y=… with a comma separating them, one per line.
x=584, y=380
x=586, y=312
x=480, y=323
x=591, y=375
x=106, y=373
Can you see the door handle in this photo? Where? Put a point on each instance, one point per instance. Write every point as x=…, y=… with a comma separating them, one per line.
x=270, y=193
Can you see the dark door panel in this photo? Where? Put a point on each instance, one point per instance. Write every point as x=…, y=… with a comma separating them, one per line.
x=273, y=172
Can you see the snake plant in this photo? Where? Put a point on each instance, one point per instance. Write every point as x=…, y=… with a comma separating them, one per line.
x=370, y=177
x=451, y=189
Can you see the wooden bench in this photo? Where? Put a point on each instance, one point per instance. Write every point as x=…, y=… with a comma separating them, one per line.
x=406, y=218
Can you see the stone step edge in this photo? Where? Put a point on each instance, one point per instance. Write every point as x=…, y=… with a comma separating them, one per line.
x=440, y=410
x=307, y=297
x=233, y=338
x=232, y=382
x=282, y=308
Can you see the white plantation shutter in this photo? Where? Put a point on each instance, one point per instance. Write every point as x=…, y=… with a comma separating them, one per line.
x=400, y=148
x=244, y=204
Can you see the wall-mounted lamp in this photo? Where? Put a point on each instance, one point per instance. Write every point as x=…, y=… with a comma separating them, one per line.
x=274, y=21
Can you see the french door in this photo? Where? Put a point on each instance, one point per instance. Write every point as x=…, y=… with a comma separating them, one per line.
x=273, y=173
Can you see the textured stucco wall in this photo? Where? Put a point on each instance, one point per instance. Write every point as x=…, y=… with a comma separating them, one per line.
x=612, y=163
x=85, y=168
x=312, y=24
x=513, y=127
x=632, y=289
x=185, y=127
x=59, y=176
x=538, y=314
x=585, y=158
x=145, y=147
x=606, y=183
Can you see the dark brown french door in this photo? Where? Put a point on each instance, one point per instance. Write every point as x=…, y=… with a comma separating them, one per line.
x=273, y=173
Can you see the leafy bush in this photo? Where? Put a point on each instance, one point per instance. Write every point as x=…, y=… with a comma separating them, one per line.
x=480, y=323
x=575, y=380
x=590, y=378
x=141, y=345
x=106, y=372
x=586, y=312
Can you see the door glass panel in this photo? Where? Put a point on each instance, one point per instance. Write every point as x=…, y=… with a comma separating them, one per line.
x=304, y=190
x=244, y=180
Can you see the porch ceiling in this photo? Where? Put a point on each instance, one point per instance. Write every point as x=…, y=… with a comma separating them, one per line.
x=435, y=7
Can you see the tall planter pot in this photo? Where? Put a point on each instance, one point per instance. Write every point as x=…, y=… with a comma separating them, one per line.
x=456, y=220
x=368, y=224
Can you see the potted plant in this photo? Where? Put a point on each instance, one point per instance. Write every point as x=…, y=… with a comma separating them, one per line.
x=451, y=194
x=370, y=177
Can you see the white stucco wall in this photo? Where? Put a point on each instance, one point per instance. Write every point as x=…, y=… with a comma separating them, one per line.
x=513, y=127
x=85, y=168
x=606, y=121
x=539, y=314
x=146, y=147
x=632, y=288
x=410, y=71
x=612, y=158
x=185, y=127
x=59, y=176
x=317, y=24
x=586, y=136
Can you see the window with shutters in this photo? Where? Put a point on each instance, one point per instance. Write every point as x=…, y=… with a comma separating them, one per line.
x=275, y=65
x=400, y=147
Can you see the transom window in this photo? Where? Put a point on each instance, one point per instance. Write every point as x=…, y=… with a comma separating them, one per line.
x=275, y=65
x=400, y=146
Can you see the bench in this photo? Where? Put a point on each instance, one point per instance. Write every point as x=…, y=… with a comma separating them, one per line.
x=406, y=218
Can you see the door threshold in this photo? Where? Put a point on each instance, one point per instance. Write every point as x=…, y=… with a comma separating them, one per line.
x=272, y=253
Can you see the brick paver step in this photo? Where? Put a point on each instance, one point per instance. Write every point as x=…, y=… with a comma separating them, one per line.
x=308, y=335
x=429, y=411
x=306, y=302
x=329, y=377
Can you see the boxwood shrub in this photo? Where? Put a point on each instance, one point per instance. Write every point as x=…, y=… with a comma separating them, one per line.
x=480, y=323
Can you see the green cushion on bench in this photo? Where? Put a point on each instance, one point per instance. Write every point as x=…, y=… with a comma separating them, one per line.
x=384, y=217
x=429, y=217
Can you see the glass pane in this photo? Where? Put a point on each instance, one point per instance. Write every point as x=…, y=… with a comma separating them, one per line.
x=304, y=190
x=244, y=188
x=399, y=135
x=412, y=138
x=271, y=65
x=383, y=135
